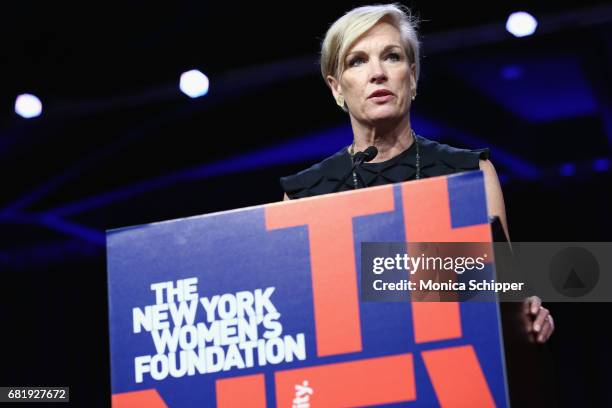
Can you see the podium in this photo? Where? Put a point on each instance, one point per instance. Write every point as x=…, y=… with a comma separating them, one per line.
x=261, y=306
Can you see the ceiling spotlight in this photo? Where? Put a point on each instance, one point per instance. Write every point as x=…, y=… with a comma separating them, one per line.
x=521, y=24
x=28, y=106
x=194, y=83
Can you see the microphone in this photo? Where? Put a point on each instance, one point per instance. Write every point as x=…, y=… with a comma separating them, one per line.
x=370, y=153
x=367, y=155
x=358, y=158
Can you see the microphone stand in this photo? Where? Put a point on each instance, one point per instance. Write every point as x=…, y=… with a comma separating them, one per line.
x=357, y=160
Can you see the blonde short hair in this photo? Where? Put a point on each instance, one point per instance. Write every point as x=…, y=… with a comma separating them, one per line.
x=348, y=28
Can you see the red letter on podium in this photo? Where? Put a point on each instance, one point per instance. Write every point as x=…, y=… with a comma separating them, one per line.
x=426, y=223
x=330, y=228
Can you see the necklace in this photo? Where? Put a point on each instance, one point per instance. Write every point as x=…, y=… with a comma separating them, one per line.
x=418, y=160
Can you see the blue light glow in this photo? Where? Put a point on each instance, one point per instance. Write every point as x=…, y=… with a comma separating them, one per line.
x=601, y=164
x=511, y=72
x=567, y=169
x=550, y=88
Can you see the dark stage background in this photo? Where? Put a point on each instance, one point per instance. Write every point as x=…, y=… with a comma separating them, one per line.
x=118, y=144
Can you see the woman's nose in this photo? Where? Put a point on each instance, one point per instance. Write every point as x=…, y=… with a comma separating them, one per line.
x=378, y=73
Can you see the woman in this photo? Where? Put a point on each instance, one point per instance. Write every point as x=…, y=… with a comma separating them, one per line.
x=370, y=61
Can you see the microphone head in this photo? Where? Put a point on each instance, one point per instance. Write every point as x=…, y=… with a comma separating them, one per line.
x=359, y=157
x=370, y=153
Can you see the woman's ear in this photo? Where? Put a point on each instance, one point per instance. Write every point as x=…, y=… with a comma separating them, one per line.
x=335, y=87
x=413, y=82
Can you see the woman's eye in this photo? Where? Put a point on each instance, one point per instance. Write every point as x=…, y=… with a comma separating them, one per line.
x=356, y=61
x=394, y=56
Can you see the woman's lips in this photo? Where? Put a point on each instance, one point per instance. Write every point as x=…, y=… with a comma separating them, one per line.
x=380, y=92
x=381, y=99
x=380, y=96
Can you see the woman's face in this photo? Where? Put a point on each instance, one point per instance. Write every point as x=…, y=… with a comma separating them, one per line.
x=378, y=80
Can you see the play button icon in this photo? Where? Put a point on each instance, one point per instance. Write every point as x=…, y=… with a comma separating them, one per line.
x=574, y=271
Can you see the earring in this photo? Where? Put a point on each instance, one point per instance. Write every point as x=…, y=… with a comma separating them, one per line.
x=414, y=96
x=340, y=101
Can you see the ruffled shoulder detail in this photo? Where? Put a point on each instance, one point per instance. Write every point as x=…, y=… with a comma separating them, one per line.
x=331, y=175
x=442, y=159
x=321, y=178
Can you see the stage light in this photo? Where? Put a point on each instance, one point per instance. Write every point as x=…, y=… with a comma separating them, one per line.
x=521, y=24
x=602, y=164
x=567, y=169
x=194, y=83
x=28, y=106
x=511, y=72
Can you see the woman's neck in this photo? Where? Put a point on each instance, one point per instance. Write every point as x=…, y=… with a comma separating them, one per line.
x=389, y=139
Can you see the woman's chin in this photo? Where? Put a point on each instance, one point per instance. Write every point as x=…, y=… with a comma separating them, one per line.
x=384, y=114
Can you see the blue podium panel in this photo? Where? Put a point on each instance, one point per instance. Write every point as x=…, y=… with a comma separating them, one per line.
x=261, y=306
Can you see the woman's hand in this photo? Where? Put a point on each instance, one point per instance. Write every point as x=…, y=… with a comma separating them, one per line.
x=540, y=323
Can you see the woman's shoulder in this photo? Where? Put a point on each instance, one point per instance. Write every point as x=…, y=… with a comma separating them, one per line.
x=455, y=159
x=436, y=159
x=320, y=178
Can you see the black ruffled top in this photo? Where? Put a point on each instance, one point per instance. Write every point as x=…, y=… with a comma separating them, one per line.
x=436, y=159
